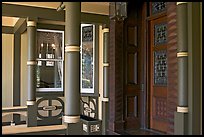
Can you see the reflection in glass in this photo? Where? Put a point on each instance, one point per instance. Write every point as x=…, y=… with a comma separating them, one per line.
x=50, y=59
x=49, y=77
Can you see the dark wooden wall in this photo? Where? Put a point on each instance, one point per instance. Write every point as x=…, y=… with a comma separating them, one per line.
x=116, y=72
x=172, y=65
x=116, y=76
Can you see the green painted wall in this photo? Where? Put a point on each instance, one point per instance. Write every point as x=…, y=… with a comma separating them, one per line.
x=7, y=69
x=201, y=60
x=194, y=68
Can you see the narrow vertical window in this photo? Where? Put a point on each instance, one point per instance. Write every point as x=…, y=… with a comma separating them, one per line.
x=50, y=57
x=87, y=58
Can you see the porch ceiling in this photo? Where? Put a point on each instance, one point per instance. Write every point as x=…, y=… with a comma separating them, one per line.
x=86, y=7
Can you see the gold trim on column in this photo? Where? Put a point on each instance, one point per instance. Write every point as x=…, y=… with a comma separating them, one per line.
x=30, y=62
x=106, y=64
x=105, y=99
x=71, y=119
x=31, y=23
x=177, y=3
x=182, y=109
x=72, y=49
x=182, y=54
x=105, y=30
x=30, y=103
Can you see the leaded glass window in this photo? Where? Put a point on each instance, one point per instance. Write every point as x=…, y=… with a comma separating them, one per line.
x=160, y=34
x=158, y=7
x=160, y=67
x=87, y=58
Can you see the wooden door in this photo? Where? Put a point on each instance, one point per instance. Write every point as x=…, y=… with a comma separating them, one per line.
x=132, y=80
x=158, y=74
x=133, y=62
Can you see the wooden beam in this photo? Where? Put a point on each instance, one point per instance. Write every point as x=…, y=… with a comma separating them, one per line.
x=20, y=25
x=12, y=10
x=50, y=26
x=7, y=29
x=21, y=11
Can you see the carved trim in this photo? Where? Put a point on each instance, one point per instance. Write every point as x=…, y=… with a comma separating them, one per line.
x=182, y=54
x=106, y=64
x=30, y=102
x=72, y=49
x=177, y=3
x=105, y=30
x=31, y=23
x=105, y=99
x=71, y=119
x=30, y=62
x=182, y=109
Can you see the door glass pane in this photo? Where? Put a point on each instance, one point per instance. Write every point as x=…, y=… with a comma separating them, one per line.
x=158, y=7
x=160, y=34
x=160, y=67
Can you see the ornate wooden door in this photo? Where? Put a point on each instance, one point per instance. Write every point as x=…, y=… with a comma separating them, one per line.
x=158, y=74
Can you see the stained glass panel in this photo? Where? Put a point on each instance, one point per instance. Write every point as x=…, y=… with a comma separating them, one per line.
x=87, y=58
x=158, y=7
x=160, y=67
x=160, y=34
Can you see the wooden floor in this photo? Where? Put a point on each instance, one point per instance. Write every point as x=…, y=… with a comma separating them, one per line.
x=140, y=132
x=59, y=130
x=23, y=129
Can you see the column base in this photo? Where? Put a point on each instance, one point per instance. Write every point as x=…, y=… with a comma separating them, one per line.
x=74, y=128
x=180, y=123
x=104, y=118
x=32, y=115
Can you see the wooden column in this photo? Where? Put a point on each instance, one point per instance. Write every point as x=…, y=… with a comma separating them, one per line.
x=31, y=63
x=72, y=66
x=116, y=122
x=181, y=121
x=105, y=98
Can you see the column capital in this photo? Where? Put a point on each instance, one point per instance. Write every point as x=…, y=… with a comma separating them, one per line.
x=30, y=102
x=31, y=23
x=182, y=54
x=106, y=64
x=182, y=109
x=31, y=62
x=105, y=30
x=72, y=48
x=178, y=3
x=105, y=99
x=71, y=119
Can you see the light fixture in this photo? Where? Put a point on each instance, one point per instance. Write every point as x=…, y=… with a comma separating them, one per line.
x=53, y=46
x=118, y=10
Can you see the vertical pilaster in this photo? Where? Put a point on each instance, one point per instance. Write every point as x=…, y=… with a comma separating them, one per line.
x=116, y=122
x=194, y=68
x=181, y=116
x=16, y=74
x=72, y=65
x=105, y=81
x=31, y=66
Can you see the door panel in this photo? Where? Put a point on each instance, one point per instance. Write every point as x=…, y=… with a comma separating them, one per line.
x=158, y=74
x=132, y=61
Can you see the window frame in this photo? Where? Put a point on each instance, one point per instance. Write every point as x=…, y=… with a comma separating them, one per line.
x=55, y=60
